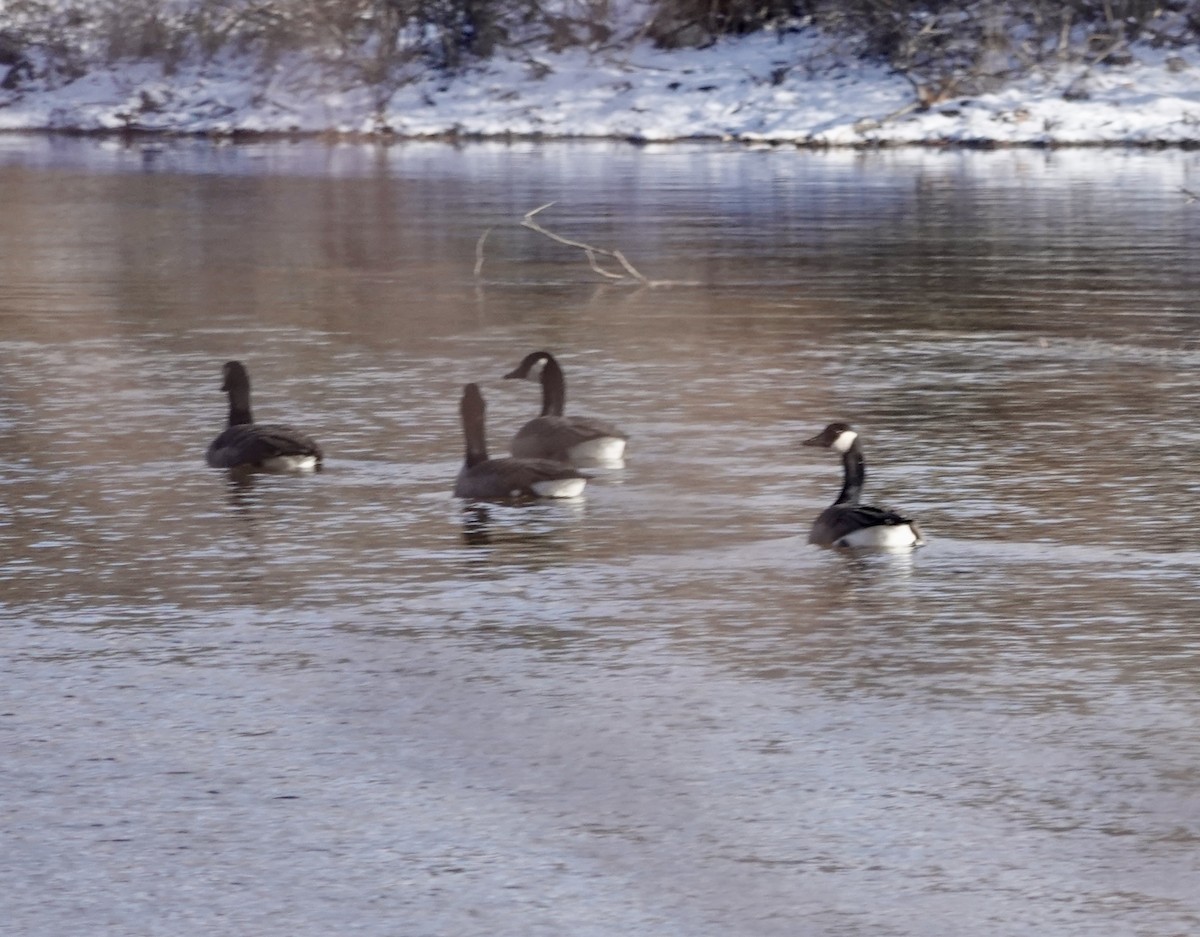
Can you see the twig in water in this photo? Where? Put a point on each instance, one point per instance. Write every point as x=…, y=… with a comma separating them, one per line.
x=591, y=252
x=588, y=249
x=479, y=251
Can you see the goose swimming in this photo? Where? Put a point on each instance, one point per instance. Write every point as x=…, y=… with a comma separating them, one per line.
x=581, y=440
x=506, y=479
x=846, y=523
x=244, y=444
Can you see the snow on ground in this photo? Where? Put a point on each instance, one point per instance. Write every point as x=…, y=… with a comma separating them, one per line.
x=767, y=87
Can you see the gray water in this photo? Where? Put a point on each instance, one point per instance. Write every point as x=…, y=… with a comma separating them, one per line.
x=348, y=704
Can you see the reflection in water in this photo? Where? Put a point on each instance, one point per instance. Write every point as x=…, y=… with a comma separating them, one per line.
x=476, y=526
x=657, y=710
x=525, y=529
x=240, y=486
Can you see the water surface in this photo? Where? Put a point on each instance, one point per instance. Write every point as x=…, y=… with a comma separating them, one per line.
x=344, y=703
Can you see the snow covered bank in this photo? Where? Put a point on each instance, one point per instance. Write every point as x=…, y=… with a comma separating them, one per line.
x=783, y=88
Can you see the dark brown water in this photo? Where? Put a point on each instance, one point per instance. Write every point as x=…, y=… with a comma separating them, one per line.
x=343, y=704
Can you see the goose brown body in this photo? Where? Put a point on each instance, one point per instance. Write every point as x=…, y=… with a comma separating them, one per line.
x=244, y=444
x=506, y=479
x=846, y=522
x=581, y=440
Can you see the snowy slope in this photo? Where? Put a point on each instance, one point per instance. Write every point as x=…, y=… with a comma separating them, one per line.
x=765, y=87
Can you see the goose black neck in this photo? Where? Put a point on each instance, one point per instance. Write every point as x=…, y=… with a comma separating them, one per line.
x=474, y=427
x=239, y=406
x=554, y=388
x=854, y=473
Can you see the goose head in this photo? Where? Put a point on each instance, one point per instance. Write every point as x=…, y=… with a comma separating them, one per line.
x=839, y=437
x=522, y=370
x=234, y=377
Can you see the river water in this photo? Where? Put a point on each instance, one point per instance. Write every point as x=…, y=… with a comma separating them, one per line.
x=346, y=703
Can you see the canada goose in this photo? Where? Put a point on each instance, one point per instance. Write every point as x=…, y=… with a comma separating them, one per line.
x=846, y=523
x=503, y=479
x=581, y=440
x=249, y=445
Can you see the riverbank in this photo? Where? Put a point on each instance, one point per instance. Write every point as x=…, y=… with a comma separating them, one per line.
x=788, y=88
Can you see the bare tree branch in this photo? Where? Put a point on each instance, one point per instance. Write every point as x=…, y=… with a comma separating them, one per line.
x=479, y=251
x=591, y=252
x=588, y=249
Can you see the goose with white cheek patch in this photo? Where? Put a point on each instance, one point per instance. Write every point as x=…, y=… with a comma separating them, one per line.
x=580, y=440
x=846, y=523
x=247, y=445
x=512, y=479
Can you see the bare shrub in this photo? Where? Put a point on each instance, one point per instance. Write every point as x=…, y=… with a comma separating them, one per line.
x=42, y=40
x=697, y=22
x=947, y=49
x=944, y=47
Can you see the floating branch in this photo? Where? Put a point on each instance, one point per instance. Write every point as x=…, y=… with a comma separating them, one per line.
x=479, y=251
x=588, y=249
x=631, y=273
